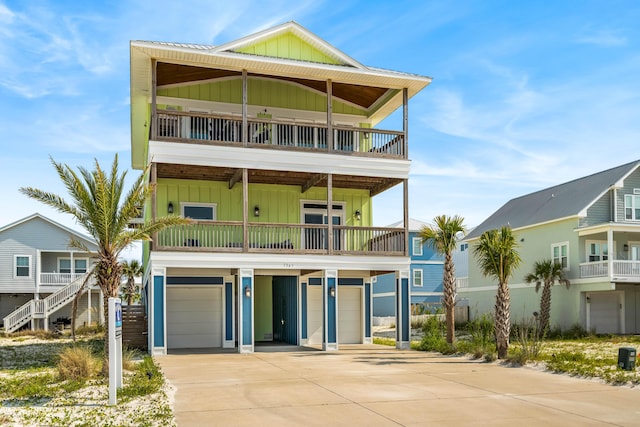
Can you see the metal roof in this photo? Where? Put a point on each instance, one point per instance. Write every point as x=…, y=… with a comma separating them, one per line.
x=570, y=199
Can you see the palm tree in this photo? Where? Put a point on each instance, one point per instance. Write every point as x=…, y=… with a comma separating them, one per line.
x=98, y=203
x=131, y=269
x=496, y=253
x=545, y=274
x=441, y=236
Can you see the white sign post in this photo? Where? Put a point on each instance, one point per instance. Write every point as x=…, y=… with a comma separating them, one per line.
x=115, y=348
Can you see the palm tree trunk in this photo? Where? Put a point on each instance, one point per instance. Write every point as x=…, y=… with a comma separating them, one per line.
x=545, y=308
x=503, y=320
x=449, y=297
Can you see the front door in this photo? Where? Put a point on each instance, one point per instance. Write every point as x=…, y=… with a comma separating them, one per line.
x=316, y=237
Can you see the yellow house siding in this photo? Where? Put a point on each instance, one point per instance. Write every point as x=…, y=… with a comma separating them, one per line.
x=288, y=46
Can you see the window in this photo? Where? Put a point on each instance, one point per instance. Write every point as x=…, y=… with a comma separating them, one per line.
x=79, y=265
x=200, y=211
x=597, y=251
x=560, y=254
x=417, y=246
x=632, y=206
x=417, y=277
x=22, y=266
x=464, y=247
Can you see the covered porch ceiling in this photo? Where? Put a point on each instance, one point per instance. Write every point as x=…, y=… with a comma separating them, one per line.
x=305, y=180
x=363, y=96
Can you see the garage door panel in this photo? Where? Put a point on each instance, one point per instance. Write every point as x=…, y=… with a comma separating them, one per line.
x=605, y=312
x=350, y=315
x=314, y=314
x=194, y=317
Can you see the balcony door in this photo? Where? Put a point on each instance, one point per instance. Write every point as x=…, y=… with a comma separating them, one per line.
x=316, y=214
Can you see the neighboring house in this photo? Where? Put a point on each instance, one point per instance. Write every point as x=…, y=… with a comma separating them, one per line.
x=425, y=277
x=592, y=227
x=269, y=144
x=40, y=274
x=426, y=274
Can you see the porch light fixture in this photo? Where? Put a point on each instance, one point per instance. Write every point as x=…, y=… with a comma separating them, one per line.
x=247, y=291
x=358, y=214
x=332, y=291
x=625, y=247
x=256, y=211
x=170, y=208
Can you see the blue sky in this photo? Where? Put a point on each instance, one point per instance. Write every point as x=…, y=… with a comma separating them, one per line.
x=525, y=94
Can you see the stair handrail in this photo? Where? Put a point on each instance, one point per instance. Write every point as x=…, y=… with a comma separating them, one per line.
x=45, y=306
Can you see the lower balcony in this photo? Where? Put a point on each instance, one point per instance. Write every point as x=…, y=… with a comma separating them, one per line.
x=623, y=270
x=229, y=236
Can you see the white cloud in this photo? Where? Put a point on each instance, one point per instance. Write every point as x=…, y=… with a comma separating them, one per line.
x=602, y=38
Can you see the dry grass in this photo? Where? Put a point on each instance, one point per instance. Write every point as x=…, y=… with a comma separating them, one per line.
x=77, y=364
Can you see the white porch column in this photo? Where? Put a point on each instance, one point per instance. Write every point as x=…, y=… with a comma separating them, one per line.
x=101, y=307
x=403, y=310
x=246, y=291
x=330, y=310
x=611, y=253
x=89, y=306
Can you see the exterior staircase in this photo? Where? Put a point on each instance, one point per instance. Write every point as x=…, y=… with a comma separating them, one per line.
x=42, y=309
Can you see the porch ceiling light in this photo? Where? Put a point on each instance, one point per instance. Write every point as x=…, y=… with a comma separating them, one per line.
x=256, y=211
x=358, y=214
x=247, y=291
x=170, y=208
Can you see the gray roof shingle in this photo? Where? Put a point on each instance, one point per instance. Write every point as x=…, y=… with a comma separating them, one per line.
x=561, y=201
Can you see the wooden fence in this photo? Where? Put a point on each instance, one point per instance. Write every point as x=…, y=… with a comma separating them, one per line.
x=134, y=327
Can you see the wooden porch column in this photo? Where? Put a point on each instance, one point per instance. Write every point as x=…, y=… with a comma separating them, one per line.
x=153, y=178
x=405, y=122
x=154, y=107
x=405, y=197
x=329, y=116
x=245, y=210
x=245, y=97
x=330, y=213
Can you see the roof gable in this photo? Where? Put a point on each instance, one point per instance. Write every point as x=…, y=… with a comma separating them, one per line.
x=290, y=41
x=36, y=216
x=570, y=199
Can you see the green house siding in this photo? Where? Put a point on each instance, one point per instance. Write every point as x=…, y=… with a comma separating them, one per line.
x=261, y=91
x=536, y=246
x=288, y=46
x=278, y=203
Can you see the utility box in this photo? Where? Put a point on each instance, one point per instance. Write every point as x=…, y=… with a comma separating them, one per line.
x=627, y=358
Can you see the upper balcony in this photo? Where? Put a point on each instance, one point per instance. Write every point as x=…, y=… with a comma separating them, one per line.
x=230, y=236
x=228, y=130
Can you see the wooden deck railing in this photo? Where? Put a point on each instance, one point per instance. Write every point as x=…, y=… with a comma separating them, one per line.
x=190, y=127
x=227, y=236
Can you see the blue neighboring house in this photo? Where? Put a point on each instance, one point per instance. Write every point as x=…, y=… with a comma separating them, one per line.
x=425, y=277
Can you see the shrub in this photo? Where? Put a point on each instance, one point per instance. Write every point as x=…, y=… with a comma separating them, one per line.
x=434, y=337
x=146, y=379
x=77, y=364
x=481, y=339
x=96, y=329
x=530, y=338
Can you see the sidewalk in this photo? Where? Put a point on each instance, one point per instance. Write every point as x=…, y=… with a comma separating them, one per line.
x=381, y=386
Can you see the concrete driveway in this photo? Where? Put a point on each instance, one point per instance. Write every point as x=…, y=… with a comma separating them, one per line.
x=381, y=386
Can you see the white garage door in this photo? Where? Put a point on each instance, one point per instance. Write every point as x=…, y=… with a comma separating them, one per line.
x=314, y=314
x=194, y=317
x=349, y=315
x=604, y=311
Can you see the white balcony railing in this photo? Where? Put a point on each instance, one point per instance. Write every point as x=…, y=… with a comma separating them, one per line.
x=462, y=282
x=622, y=269
x=58, y=279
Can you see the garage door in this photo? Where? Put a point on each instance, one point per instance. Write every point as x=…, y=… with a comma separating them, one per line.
x=194, y=317
x=349, y=315
x=314, y=314
x=604, y=310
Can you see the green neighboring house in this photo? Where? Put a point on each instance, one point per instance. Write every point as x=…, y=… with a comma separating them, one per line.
x=269, y=144
x=590, y=225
